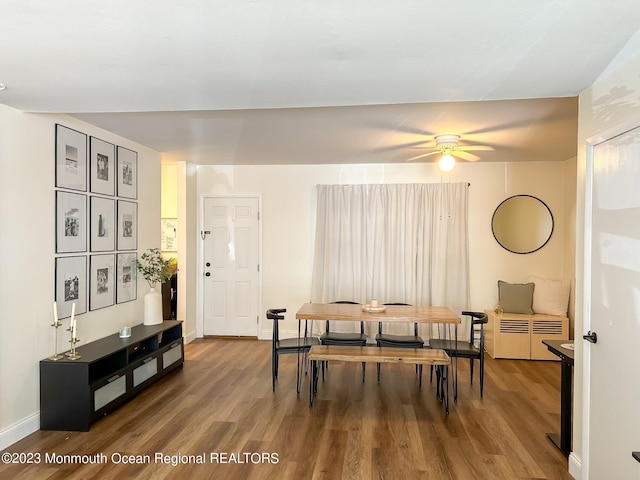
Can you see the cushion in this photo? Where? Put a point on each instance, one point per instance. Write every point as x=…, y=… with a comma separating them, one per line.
x=550, y=297
x=515, y=297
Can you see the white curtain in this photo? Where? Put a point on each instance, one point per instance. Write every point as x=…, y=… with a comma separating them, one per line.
x=395, y=243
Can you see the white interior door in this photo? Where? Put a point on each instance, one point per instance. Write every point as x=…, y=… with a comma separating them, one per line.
x=231, y=266
x=614, y=361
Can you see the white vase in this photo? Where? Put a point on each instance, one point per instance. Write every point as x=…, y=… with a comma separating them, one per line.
x=153, y=307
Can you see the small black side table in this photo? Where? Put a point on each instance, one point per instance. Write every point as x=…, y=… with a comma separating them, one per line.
x=563, y=440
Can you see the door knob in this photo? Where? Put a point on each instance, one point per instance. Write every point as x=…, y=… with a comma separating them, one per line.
x=208, y=274
x=208, y=264
x=591, y=337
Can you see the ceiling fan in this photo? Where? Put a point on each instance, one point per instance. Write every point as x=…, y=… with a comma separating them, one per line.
x=449, y=146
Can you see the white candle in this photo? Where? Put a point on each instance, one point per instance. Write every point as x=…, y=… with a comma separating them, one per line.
x=55, y=313
x=73, y=332
x=374, y=303
x=72, y=325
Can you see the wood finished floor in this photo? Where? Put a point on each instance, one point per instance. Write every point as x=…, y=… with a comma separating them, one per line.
x=221, y=401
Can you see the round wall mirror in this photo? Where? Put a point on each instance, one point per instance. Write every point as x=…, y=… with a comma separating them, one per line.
x=522, y=224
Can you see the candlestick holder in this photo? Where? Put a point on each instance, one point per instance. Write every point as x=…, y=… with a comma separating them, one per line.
x=73, y=354
x=56, y=355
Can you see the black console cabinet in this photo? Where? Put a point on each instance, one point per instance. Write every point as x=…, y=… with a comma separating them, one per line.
x=110, y=371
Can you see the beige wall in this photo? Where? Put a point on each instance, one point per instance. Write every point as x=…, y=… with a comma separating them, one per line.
x=609, y=106
x=27, y=246
x=288, y=195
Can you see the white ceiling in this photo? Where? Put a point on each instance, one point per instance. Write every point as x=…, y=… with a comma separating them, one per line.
x=322, y=81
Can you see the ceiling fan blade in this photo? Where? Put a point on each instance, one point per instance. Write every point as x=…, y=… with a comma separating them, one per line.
x=399, y=146
x=477, y=148
x=423, y=147
x=421, y=156
x=466, y=156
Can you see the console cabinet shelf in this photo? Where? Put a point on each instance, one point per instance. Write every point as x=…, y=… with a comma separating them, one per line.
x=519, y=336
x=110, y=371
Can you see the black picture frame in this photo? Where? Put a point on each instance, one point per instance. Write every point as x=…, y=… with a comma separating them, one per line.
x=127, y=177
x=71, y=285
x=102, y=284
x=127, y=277
x=127, y=227
x=102, y=166
x=103, y=224
x=71, y=159
x=71, y=222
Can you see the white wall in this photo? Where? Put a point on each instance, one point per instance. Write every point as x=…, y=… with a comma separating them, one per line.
x=27, y=252
x=188, y=236
x=609, y=106
x=289, y=219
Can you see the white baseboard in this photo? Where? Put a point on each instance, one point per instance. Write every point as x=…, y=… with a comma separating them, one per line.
x=19, y=430
x=190, y=337
x=575, y=466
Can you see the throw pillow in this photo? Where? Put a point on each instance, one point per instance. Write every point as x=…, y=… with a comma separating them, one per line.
x=515, y=297
x=550, y=297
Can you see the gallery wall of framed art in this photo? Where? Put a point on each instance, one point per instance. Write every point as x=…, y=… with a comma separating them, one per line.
x=96, y=211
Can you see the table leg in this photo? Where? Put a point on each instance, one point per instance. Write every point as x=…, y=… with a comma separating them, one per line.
x=454, y=365
x=298, y=371
x=563, y=440
x=446, y=404
x=313, y=382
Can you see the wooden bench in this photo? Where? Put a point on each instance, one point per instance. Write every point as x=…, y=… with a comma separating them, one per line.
x=416, y=356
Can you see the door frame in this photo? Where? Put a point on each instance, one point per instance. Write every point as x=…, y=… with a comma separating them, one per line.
x=200, y=260
x=579, y=467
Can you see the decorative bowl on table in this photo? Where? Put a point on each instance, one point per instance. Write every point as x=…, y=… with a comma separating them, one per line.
x=370, y=309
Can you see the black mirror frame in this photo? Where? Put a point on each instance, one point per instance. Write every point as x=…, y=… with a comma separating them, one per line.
x=536, y=249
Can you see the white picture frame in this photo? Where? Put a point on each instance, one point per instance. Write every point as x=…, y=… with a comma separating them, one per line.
x=169, y=234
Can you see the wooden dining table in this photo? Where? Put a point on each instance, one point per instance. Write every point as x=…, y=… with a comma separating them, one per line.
x=392, y=314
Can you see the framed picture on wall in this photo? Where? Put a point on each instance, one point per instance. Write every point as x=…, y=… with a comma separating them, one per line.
x=71, y=222
x=127, y=225
x=71, y=159
x=127, y=177
x=102, y=166
x=102, y=284
x=126, y=278
x=169, y=234
x=71, y=285
x=103, y=224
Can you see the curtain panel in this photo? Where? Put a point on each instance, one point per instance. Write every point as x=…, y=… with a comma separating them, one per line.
x=403, y=243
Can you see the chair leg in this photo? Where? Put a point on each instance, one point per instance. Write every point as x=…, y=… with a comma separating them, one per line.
x=481, y=375
x=420, y=373
x=274, y=370
x=364, y=366
x=431, y=374
x=471, y=369
x=378, y=371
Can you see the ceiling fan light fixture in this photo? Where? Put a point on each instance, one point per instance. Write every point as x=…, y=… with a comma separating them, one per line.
x=447, y=162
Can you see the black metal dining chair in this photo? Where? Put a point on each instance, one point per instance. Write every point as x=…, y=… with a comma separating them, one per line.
x=284, y=346
x=399, y=341
x=464, y=348
x=344, y=338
